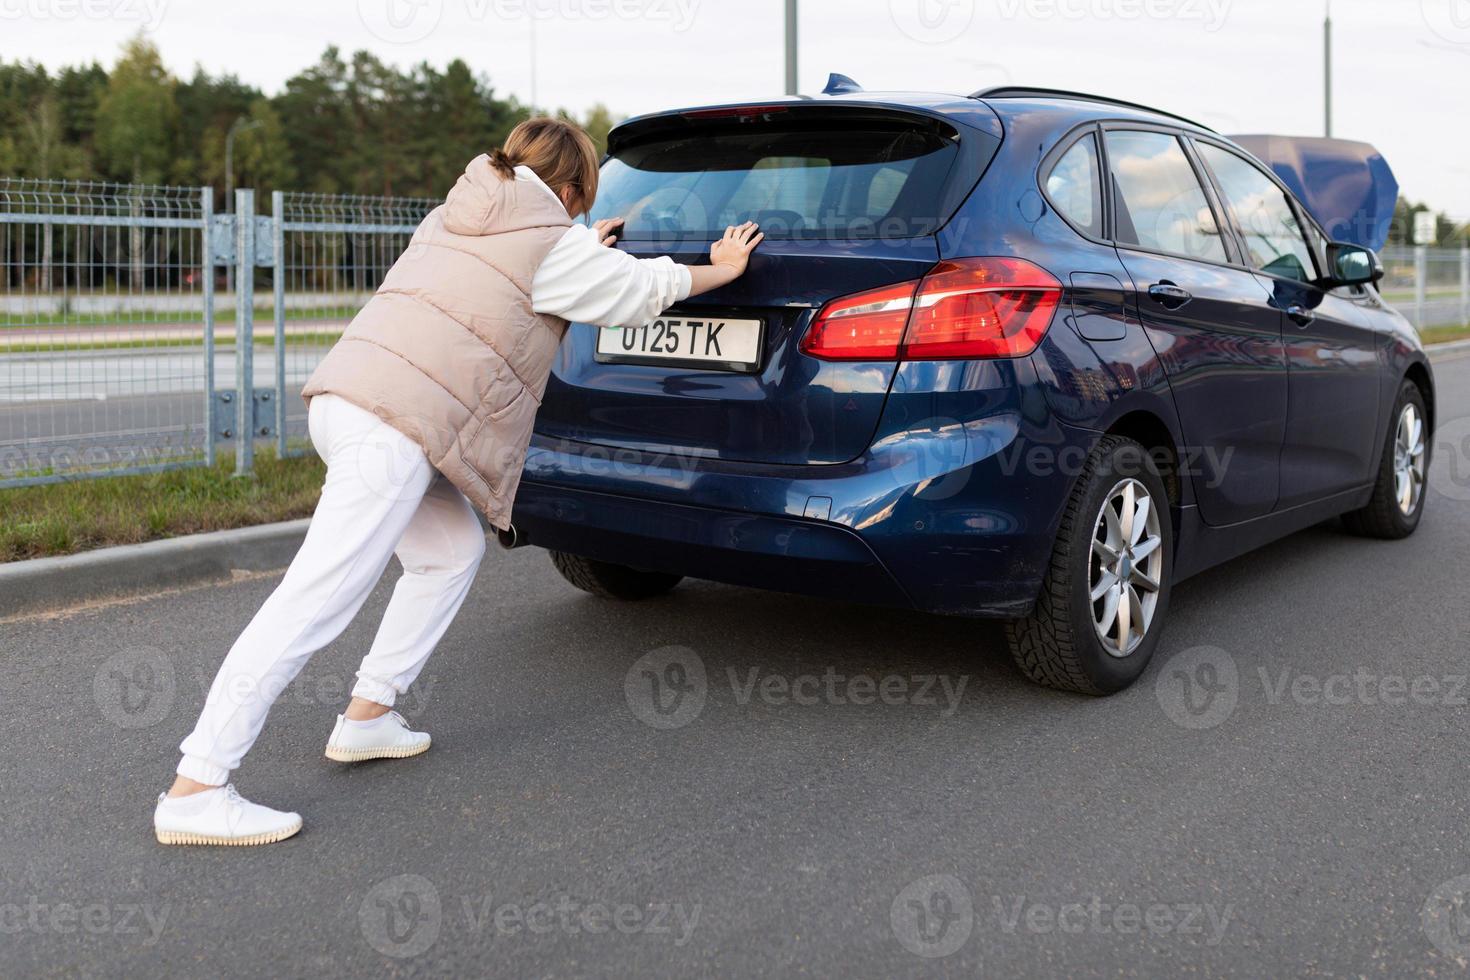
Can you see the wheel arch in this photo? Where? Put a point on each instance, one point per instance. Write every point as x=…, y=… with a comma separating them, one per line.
x=1418, y=372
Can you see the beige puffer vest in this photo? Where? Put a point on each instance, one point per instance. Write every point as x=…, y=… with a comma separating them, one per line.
x=449, y=351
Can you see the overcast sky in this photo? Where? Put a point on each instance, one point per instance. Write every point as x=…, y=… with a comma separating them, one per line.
x=1403, y=66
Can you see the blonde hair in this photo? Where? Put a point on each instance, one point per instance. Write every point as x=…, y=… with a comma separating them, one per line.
x=560, y=153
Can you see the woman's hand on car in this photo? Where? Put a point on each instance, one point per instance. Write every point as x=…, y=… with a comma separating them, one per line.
x=607, y=230
x=733, y=251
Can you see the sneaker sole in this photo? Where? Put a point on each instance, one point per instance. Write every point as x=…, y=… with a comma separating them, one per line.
x=271, y=837
x=362, y=755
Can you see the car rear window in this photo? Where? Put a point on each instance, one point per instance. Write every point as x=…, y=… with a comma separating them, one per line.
x=820, y=181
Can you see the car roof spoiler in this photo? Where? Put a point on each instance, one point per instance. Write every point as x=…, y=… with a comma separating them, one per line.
x=1347, y=186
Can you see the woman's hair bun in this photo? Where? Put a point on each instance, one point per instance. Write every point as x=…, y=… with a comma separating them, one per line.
x=502, y=162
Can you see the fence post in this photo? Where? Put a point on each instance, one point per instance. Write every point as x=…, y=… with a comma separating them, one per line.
x=278, y=280
x=206, y=211
x=1465, y=285
x=1421, y=282
x=245, y=333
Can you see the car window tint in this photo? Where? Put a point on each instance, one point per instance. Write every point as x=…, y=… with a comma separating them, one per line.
x=1274, y=241
x=1160, y=204
x=1075, y=186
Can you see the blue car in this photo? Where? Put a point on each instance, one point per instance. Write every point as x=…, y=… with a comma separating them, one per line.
x=1027, y=354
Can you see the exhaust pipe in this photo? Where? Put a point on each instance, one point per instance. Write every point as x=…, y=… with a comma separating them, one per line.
x=510, y=538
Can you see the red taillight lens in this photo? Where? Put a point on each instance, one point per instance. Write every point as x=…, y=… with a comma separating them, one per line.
x=964, y=309
x=862, y=327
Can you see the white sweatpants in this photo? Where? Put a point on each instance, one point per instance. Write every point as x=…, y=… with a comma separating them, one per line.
x=381, y=497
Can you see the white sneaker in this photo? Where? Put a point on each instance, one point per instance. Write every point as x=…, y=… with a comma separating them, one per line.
x=220, y=816
x=388, y=737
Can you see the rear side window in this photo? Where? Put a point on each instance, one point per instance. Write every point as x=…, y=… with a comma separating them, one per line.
x=1274, y=241
x=878, y=180
x=1075, y=186
x=1159, y=203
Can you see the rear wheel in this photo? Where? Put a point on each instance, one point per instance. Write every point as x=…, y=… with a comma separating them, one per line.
x=1103, y=600
x=609, y=581
x=1397, y=503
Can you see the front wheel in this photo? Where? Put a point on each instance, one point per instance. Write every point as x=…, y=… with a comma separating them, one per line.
x=1098, y=618
x=609, y=581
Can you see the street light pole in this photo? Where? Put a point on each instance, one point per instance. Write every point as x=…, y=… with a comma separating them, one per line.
x=240, y=125
x=1327, y=68
x=791, y=64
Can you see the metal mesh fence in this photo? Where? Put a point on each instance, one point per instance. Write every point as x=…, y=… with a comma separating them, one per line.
x=1428, y=285
x=332, y=254
x=104, y=351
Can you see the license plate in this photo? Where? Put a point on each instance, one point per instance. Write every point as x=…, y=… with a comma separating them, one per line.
x=713, y=343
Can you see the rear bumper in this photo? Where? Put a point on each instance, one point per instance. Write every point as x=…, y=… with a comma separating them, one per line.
x=756, y=550
x=940, y=515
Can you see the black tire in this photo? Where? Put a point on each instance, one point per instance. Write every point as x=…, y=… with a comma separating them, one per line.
x=608, y=581
x=1058, y=644
x=1383, y=517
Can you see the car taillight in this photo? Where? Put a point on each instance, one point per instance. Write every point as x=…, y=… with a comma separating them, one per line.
x=964, y=309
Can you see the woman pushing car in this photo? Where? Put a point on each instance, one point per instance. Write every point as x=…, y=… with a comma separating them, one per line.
x=422, y=412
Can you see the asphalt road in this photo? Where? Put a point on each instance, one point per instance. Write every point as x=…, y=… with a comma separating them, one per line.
x=100, y=410
x=1283, y=793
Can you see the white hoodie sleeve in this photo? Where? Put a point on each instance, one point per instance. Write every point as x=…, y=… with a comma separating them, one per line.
x=586, y=282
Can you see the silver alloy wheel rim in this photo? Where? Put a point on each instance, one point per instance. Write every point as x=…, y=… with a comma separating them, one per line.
x=1408, y=460
x=1126, y=568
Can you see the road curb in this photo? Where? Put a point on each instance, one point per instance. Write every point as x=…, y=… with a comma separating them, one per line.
x=43, y=584
x=1447, y=347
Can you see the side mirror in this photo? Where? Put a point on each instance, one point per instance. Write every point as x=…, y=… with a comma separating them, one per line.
x=1351, y=265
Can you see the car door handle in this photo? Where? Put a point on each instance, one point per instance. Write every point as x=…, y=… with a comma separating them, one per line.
x=1300, y=315
x=1168, y=295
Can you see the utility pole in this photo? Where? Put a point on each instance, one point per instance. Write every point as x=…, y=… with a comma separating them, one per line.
x=1327, y=68
x=791, y=63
